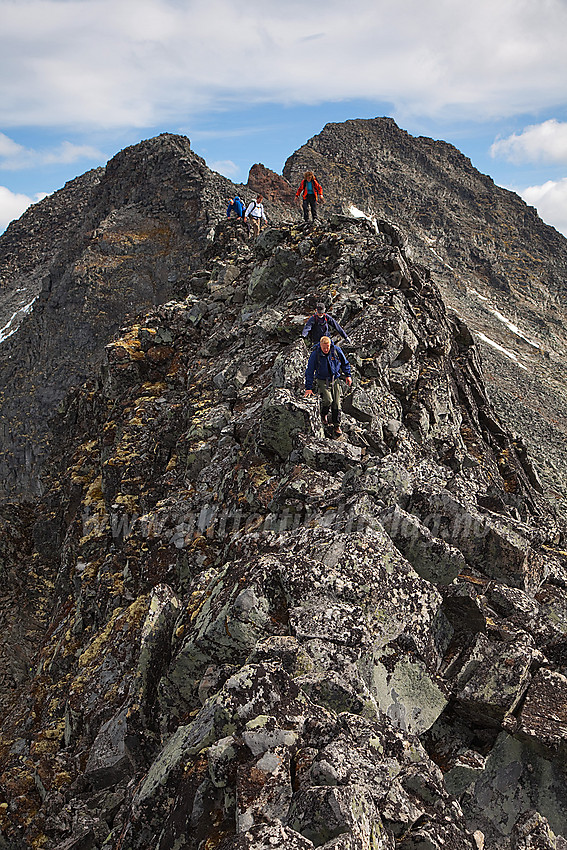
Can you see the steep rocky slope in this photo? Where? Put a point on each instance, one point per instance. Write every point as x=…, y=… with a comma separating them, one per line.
x=109, y=244
x=498, y=265
x=240, y=633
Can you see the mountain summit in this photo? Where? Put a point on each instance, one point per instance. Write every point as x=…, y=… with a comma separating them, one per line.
x=223, y=628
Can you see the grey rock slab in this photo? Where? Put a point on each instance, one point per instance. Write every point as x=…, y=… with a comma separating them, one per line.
x=289, y=367
x=516, y=779
x=327, y=619
x=108, y=761
x=263, y=789
x=331, y=690
x=283, y=418
x=493, y=687
x=431, y=557
x=263, y=733
x=466, y=769
x=331, y=455
x=267, y=836
x=544, y=710
x=360, y=405
x=308, y=485
x=362, y=569
x=408, y=693
x=324, y=813
x=497, y=547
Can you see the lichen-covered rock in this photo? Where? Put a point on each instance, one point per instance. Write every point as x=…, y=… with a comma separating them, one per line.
x=531, y=832
x=329, y=454
x=431, y=557
x=544, y=711
x=491, y=685
x=251, y=635
x=283, y=419
x=515, y=780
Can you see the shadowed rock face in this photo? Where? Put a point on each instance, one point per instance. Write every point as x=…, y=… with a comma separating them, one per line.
x=108, y=245
x=240, y=633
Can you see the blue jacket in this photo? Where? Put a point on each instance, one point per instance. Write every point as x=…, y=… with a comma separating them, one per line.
x=319, y=326
x=237, y=205
x=325, y=367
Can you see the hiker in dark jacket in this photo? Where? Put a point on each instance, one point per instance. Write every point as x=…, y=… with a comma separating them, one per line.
x=322, y=324
x=235, y=205
x=326, y=362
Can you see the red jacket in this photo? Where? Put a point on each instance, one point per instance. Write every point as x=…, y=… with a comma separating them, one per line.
x=317, y=188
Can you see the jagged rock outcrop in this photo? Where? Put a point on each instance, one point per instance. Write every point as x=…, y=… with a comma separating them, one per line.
x=272, y=186
x=251, y=635
x=497, y=264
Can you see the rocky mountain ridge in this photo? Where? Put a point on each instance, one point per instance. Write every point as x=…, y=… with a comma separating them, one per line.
x=251, y=635
x=222, y=628
x=109, y=244
x=497, y=264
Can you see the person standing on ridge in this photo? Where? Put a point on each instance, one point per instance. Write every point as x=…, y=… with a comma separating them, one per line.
x=311, y=192
x=325, y=365
x=322, y=324
x=255, y=211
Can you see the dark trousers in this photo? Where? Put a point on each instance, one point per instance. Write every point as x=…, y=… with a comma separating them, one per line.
x=310, y=201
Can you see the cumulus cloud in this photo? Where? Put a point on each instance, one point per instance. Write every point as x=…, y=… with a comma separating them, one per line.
x=546, y=142
x=12, y=205
x=14, y=157
x=550, y=200
x=141, y=63
x=226, y=167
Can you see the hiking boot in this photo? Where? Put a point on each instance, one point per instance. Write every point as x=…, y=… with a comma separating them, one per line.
x=338, y=431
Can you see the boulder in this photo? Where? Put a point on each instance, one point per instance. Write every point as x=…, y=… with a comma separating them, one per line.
x=283, y=419
x=332, y=455
x=544, y=710
x=493, y=680
x=431, y=557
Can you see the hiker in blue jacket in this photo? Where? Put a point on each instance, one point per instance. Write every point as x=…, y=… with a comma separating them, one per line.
x=322, y=324
x=326, y=362
x=235, y=205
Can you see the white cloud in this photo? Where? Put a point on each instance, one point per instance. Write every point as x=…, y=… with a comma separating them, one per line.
x=8, y=148
x=14, y=157
x=141, y=63
x=12, y=205
x=545, y=142
x=226, y=167
x=550, y=200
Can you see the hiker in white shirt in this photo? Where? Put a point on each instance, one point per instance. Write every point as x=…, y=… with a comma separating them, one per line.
x=255, y=211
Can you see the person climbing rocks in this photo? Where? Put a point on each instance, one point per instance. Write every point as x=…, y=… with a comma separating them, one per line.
x=255, y=211
x=235, y=205
x=326, y=362
x=312, y=192
x=321, y=324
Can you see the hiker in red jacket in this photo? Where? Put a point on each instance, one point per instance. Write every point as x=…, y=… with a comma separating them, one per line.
x=312, y=192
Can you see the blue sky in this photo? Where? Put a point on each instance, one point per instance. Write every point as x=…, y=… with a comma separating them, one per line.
x=81, y=79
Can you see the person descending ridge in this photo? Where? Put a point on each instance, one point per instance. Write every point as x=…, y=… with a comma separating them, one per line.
x=255, y=211
x=312, y=192
x=321, y=324
x=325, y=364
x=235, y=205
